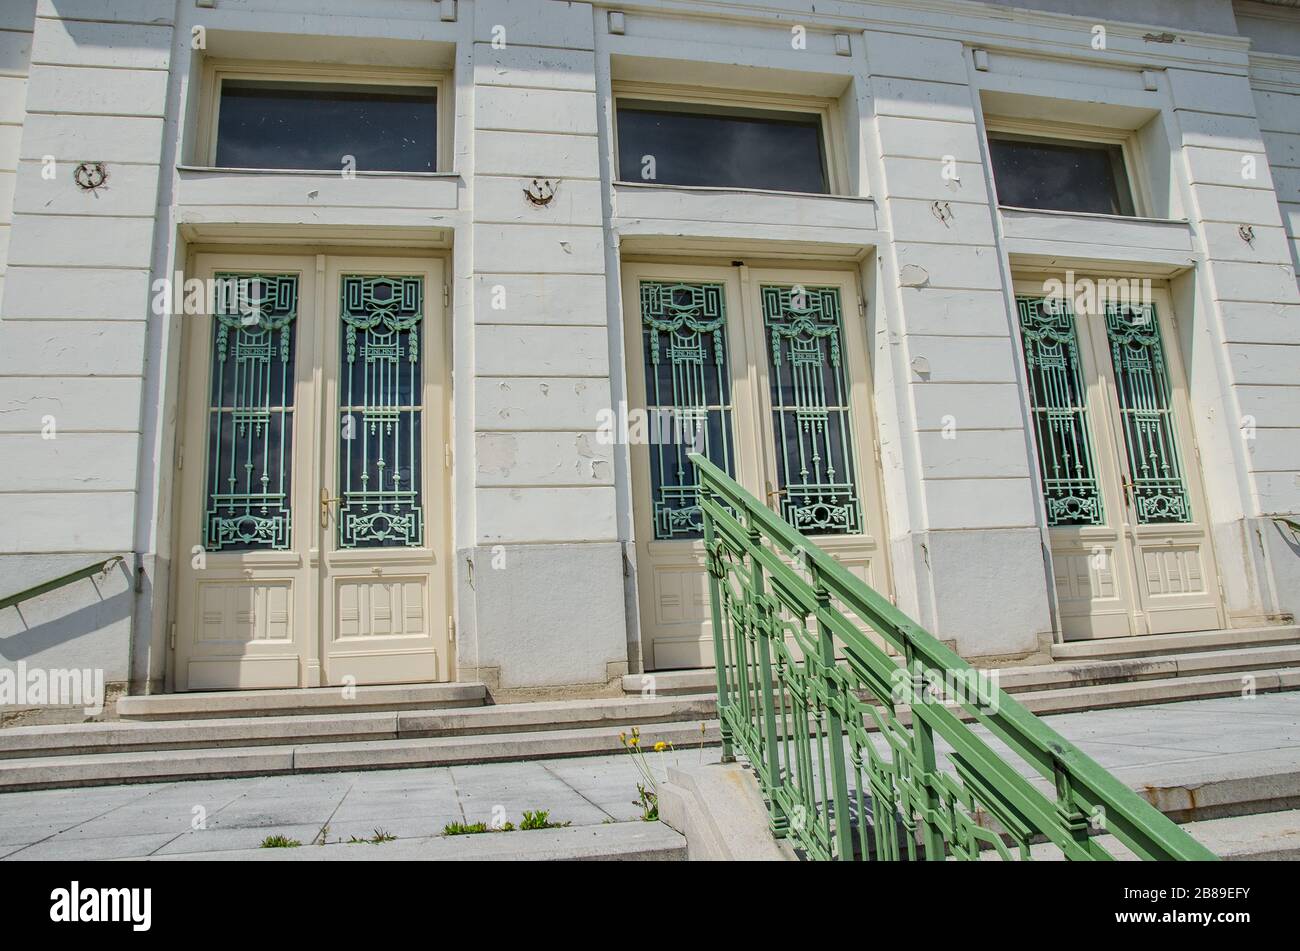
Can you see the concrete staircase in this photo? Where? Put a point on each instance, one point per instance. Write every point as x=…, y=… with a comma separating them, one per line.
x=216, y=735
x=240, y=733
x=1089, y=675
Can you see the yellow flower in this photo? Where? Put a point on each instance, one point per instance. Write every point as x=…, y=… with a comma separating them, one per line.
x=635, y=741
x=660, y=746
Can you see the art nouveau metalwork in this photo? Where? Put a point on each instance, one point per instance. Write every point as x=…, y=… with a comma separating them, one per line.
x=1058, y=400
x=688, y=398
x=1158, y=489
x=251, y=413
x=810, y=410
x=381, y=393
x=847, y=750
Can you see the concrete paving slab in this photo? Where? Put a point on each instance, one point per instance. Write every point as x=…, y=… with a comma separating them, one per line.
x=410, y=827
x=175, y=818
x=63, y=849
x=17, y=836
x=620, y=841
x=395, y=805
x=222, y=840
x=426, y=777
x=260, y=815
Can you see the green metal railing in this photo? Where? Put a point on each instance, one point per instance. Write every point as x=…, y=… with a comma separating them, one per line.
x=860, y=757
x=97, y=568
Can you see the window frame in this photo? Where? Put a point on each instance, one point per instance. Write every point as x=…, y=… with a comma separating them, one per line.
x=1069, y=133
x=665, y=96
x=215, y=72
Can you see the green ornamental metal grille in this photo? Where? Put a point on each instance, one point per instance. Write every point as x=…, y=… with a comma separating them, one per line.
x=1059, y=403
x=381, y=386
x=810, y=410
x=250, y=413
x=688, y=397
x=1146, y=411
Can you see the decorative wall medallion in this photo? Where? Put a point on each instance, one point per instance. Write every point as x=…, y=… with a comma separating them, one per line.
x=541, y=191
x=90, y=175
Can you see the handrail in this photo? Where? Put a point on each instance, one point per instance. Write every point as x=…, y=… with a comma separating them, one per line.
x=853, y=769
x=97, y=568
x=1289, y=523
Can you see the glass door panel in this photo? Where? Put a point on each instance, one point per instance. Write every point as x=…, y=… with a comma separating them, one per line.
x=381, y=384
x=688, y=398
x=811, y=422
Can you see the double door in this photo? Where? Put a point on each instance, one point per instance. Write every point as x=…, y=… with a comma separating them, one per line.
x=1122, y=489
x=313, y=486
x=765, y=371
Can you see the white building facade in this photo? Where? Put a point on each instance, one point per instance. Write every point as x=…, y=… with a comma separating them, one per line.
x=998, y=303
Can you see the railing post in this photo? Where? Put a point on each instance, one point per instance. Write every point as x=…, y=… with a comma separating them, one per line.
x=835, y=702
x=763, y=631
x=1073, y=819
x=926, y=762
x=715, y=607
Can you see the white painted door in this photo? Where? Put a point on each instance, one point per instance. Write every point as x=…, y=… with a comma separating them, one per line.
x=1126, y=512
x=385, y=604
x=289, y=574
x=768, y=368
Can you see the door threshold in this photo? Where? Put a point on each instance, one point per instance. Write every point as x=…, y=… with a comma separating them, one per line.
x=287, y=701
x=1228, y=638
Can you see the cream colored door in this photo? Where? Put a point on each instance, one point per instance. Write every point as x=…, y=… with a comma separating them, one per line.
x=815, y=422
x=1126, y=511
x=688, y=377
x=313, y=508
x=385, y=604
x=766, y=372
x=247, y=587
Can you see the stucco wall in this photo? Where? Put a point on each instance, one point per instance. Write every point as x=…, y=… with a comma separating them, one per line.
x=17, y=21
x=542, y=510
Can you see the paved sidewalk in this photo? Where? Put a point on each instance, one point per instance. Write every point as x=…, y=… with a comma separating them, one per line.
x=112, y=822
x=1204, y=737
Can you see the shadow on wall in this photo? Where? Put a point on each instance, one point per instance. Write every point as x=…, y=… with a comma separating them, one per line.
x=86, y=624
x=1289, y=531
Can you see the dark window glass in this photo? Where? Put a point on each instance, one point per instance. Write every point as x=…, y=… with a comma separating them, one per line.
x=739, y=149
x=1060, y=176
x=314, y=125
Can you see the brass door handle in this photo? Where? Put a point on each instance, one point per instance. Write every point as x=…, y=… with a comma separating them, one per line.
x=772, y=493
x=326, y=500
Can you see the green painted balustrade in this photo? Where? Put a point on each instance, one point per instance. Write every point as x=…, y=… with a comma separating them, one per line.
x=871, y=739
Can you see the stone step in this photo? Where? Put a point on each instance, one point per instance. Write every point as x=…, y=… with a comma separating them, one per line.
x=1269, y=836
x=1061, y=674
x=108, y=768
x=300, y=701
x=1125, y=682
x=1163, y=690
x=668, y=683
x=1156, y=644
x=618, y=841
x=1080, y=673
x=130, y=736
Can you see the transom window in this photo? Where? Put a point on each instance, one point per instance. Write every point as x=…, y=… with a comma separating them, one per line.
x=1060, y=175
x=272, y=116
x=682, y=143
